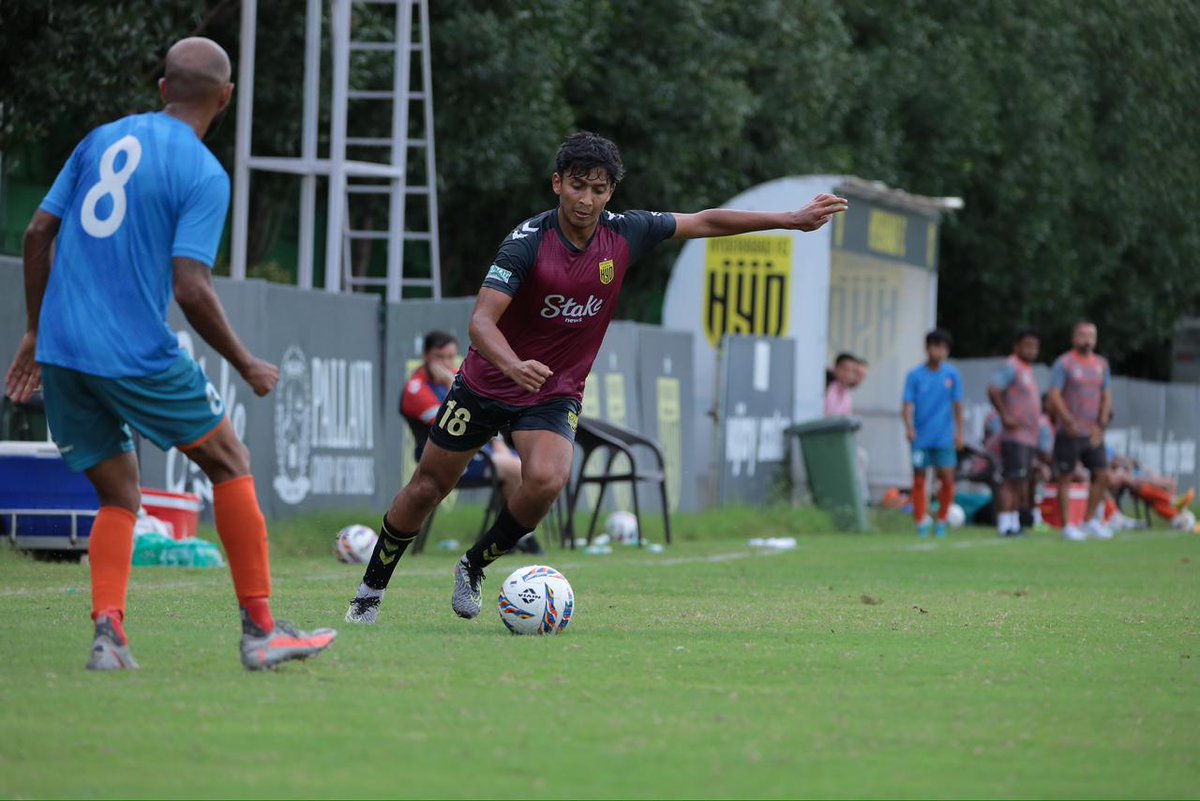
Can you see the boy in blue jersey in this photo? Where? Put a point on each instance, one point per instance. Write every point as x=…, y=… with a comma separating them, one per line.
x=138, y=212
x=933, y=422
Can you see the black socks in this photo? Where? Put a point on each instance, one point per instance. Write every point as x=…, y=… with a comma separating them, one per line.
x=391, y=546
x=497, y=540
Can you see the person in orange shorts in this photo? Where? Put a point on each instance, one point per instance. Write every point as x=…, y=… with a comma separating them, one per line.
x=1158, y=492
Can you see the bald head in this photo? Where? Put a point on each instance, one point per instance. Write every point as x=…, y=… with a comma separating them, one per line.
x=197, y=71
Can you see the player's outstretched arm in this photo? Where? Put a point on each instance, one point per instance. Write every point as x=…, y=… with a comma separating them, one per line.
x=487, y=338
x=728, y=222
x=24, y=375
x=200, y=305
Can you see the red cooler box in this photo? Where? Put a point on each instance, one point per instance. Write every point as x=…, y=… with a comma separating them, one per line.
x=179, y=510
x=1075, y=511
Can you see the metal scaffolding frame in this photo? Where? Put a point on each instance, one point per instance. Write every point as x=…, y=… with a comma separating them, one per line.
x=342, y=173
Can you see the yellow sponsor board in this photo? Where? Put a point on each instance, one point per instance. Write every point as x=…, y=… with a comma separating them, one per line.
x=747, y=286
x=886, y=233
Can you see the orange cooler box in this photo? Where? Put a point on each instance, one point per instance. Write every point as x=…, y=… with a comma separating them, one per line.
x=1075, y=511
x=179, y=510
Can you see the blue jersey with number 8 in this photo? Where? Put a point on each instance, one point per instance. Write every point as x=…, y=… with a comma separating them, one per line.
x=135, y=194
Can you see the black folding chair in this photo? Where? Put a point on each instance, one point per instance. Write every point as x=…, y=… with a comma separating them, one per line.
x=978, y=466
x=611, y=441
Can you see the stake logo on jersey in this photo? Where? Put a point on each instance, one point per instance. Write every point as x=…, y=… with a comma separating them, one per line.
x=559, y=310
x=570, y=309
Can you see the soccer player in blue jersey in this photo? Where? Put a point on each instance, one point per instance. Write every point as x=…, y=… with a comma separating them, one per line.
x=934, y=425
x=137, y=213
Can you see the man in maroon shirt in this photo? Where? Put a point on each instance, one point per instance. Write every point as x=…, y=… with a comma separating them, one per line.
x=538, y=323
x=1015, y=394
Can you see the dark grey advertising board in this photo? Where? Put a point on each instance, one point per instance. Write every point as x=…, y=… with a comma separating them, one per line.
x=757, y=388
x=667, y=407
x=12, y=308
x=326, y=421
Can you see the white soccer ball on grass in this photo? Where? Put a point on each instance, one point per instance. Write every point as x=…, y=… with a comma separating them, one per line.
x=536, y=599
x=353, y=544
x=622, y=527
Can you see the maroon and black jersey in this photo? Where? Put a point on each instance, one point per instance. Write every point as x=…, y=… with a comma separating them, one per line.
x=563, y=299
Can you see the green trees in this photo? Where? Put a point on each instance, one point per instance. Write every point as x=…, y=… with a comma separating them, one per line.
x=1070, y=129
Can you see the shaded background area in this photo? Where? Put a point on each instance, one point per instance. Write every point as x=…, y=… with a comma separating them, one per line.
x=1070, y=132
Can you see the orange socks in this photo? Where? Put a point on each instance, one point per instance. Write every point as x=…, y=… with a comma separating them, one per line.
x=945, y=500
x=243, y=532
x=920, y=497
x=110, y=555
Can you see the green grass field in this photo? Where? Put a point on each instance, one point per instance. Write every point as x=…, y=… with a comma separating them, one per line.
x=854, y=666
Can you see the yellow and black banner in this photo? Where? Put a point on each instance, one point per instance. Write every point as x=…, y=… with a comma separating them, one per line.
x=747, y=286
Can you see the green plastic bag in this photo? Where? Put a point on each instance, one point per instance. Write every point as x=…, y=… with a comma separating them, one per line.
x=158, y=550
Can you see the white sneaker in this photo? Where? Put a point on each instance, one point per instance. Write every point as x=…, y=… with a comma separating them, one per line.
x=1097, y=530
x=1073, y=534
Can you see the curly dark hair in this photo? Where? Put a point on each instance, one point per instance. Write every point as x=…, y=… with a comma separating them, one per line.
x=583, y=151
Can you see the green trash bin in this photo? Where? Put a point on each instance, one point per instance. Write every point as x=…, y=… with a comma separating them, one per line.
x=831, y=464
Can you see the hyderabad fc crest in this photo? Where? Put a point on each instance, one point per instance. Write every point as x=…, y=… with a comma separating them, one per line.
x=606, y=271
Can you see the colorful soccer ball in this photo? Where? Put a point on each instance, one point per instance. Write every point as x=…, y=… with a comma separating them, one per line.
x=536, y=599
x=622, y=527
x=353, y=544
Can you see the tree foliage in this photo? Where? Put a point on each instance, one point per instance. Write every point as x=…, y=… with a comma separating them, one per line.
x=1069, y=129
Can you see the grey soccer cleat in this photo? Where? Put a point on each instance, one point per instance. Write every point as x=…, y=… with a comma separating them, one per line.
x=264, y=650
x=108, y=652
x=467, y=598
x=364, y=609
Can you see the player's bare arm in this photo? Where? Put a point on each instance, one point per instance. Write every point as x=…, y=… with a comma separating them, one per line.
x=910, y=430
x=24, y=375
x=997, y=399
x=728, y=222
x=529, y=374
x=198, y=300
x=958, y=427
x=1103, y=419
x=1058, y=408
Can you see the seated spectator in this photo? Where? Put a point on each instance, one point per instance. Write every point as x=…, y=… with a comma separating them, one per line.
x=1157, y=492
x=848, y=372
x=420, y=401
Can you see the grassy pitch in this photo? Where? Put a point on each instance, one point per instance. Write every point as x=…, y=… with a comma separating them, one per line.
x=854, y=666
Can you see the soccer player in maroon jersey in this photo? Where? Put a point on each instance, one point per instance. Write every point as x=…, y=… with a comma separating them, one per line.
x=1015, y=394
x=541, y=315
x=1081, y=400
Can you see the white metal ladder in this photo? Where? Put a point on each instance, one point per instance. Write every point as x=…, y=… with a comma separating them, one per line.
x=348, y=178
x=411, y=19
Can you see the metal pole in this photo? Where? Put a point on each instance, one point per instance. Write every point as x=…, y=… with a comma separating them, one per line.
x=401, y=85
x=340, y=25
x=308, y=146
x=245, y=124
x=435, y=249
